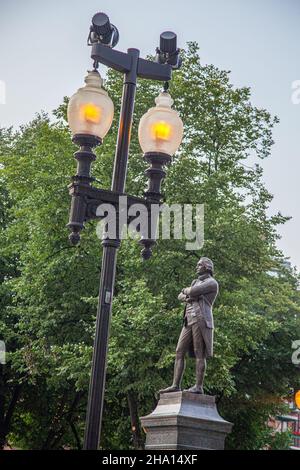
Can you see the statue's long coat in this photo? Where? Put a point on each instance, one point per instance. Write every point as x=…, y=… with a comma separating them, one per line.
x=203, y=293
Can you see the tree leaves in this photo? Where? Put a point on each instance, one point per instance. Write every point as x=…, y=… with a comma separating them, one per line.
x=49, y=289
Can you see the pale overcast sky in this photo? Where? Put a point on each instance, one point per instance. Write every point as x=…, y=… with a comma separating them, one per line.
x=43, y=56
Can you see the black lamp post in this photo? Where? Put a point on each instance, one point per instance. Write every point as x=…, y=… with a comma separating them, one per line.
x=85, y=114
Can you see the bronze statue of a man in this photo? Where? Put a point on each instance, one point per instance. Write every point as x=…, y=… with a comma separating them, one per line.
x=196, y=336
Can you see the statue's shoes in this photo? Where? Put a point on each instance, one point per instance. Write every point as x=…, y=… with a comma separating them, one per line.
x=195, y=389
x=171, y=389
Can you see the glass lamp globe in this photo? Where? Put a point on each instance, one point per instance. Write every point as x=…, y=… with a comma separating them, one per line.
x=90, y=109
x=161, y=129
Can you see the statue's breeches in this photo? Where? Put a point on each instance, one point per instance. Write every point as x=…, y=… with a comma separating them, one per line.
x=196, y=339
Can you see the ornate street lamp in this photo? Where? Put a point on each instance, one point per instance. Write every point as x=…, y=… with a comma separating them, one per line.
x=90, y=114
x=160, y=134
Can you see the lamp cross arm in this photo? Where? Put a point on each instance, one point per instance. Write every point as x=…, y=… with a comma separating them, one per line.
x=116, y=60
x=153, y=70
x=123, y=62
x=91, y=198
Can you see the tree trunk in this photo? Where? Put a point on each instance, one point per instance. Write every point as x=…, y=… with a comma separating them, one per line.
x=75, y=433
x=135, y=423
x=63, y=420
x=5, y=418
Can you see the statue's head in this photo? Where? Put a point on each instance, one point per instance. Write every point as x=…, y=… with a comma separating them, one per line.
x=205, y=265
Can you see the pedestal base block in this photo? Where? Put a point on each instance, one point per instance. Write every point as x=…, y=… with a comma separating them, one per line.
x=184, y=420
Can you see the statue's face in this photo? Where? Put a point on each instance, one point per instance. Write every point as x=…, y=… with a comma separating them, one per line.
x=200, y=268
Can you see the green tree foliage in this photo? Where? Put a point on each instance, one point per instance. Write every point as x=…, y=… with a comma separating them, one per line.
x=49, y=289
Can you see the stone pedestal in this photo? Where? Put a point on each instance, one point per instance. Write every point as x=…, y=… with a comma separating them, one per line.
x=184, y=420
